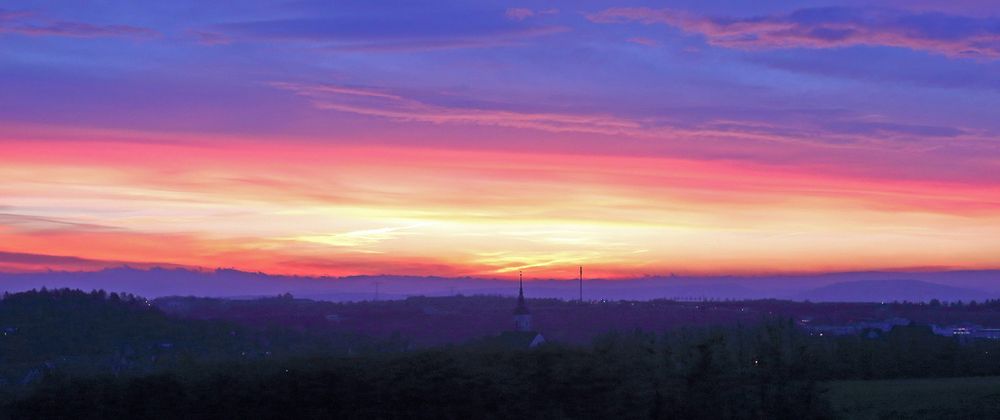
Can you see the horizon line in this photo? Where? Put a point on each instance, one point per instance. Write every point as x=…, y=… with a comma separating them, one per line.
x=207, y=270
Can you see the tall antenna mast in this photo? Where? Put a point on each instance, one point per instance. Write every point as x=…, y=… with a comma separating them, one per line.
x=581, y=284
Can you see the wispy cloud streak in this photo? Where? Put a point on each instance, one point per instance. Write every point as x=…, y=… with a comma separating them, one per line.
x=838, y=132
x=830, y=27
x=377, y=103
x=419, y=31
x=27, y=23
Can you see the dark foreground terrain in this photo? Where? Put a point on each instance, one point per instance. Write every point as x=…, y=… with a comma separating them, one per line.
x=71, y=354
x=940, y=398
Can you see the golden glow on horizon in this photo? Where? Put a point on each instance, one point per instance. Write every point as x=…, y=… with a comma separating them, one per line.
x=303, y=208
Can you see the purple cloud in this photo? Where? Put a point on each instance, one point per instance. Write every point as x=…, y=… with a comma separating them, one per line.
x=521, y=13
x=818, y=128
x=870, y=67
x=27, y=23
x=382, y=104
x=209, y=38
x=23, y=222
x=643, y=41
x=21, y=261
x=416, y=31
x=831, y=27
x=6, y=15
x=43, y=259
x=877, y=128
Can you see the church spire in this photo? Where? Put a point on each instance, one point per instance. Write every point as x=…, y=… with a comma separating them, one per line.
x=522, y=317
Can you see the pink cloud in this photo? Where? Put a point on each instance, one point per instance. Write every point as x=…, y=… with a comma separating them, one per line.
x=829, y=28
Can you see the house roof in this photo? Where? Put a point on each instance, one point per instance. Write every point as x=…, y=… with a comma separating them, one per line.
x=512, y=340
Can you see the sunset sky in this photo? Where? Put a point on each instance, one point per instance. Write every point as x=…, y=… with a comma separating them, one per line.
x=482, y=138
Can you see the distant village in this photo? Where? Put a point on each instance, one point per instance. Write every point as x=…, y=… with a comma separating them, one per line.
x=874, y=329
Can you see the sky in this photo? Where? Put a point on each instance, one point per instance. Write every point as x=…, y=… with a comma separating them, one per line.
x=461, y=138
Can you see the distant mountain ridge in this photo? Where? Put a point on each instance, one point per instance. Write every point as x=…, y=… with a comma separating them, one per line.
x=228, y=283
x=891, y=290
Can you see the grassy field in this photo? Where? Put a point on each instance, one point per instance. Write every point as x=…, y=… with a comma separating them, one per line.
x=947, y=398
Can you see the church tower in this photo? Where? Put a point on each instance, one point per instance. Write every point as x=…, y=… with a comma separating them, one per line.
x=522, y=317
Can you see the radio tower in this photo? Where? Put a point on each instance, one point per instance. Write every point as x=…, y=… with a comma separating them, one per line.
x=581, y=284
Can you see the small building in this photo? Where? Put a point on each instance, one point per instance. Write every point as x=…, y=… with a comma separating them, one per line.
x=870, y=329
x=967, y=331
x=523, y=336
x=521, y=339
x=989, y=333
